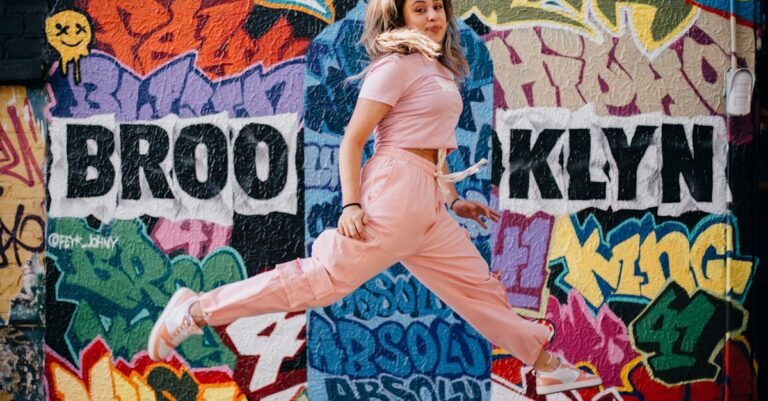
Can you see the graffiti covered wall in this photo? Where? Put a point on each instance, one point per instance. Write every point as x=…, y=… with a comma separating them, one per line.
x=22, y=231
x=136, y=209
x=611, y=162
x=196, y=143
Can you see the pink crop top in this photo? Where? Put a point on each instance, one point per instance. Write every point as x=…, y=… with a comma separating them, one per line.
x=426, y=103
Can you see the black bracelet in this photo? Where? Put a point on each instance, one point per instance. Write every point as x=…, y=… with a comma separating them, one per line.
x=351, y=204
x=454, y=201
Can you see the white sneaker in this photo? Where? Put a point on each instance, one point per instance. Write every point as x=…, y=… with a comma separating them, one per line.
x=173, y=326
x=563, y=378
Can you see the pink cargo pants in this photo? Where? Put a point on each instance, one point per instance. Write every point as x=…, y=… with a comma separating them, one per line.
x=408, y=223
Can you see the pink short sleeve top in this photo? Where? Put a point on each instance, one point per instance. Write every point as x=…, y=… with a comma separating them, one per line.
x=426, y=103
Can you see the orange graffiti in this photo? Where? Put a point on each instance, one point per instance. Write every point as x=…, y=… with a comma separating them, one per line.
x=99, y=378
x=146, y=34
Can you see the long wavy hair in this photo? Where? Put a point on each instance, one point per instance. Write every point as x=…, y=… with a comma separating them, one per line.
x=385, y=32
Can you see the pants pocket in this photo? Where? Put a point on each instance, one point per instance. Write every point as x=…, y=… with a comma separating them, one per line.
x=304, y=282
x=380, y=175
x=340, y=255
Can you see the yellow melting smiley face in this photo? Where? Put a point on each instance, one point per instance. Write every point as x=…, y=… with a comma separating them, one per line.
x=70, y=34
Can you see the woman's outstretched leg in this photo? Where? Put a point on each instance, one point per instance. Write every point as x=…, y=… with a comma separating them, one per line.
x=451, y=267
x=337, y=267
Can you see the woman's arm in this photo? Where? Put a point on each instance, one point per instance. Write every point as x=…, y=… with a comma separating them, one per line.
x=468, y=209
x=366, y=115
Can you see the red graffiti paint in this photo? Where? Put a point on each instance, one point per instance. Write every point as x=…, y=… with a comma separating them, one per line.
x=19, y=161
x=734, y=382
x=510, y=374
x=145, y=34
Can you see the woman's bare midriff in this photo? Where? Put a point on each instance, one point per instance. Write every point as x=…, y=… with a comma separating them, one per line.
x=429, y=154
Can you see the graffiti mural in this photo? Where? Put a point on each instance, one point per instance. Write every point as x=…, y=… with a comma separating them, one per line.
x=101, y=377
x=179, y=182
x=519, y=256
x=549, y=68
x=270, y=350
x=353, y=353
x=22, y=223
x=588, y=161
x=653, y=23
x=603, y=110
x=700, y=321
x=22, y=143
x=196, y=143
x=178, y=88
x=21, y=362
x=70, y=33
x=228, y=36
x=513, y=381
x=122, y=286
x=193, y=237
x=217, y=31
x=145, y=199
x=597, y=332
x=422, y=347
x=706, y=257
x=22, y=230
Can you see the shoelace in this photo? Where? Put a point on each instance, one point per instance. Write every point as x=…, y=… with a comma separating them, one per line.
x=560, y=364
x=453, y=177
x=187, y=325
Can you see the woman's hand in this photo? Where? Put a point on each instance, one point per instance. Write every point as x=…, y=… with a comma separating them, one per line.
x=474, y=210
x=352, y=223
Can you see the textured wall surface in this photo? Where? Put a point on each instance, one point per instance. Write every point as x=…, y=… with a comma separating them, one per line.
x=22, y=36
x=22, y=242
x=195, y=143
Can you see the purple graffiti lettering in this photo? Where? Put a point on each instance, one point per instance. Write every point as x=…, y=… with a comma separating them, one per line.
x=519, y=255
x=177, y=87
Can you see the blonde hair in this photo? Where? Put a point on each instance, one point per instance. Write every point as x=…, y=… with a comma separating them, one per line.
x=385, y=32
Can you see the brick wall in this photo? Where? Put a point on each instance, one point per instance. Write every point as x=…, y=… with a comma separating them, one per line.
x=22, y=40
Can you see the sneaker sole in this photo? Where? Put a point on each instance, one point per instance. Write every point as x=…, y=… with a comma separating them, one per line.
x=559, y=388
x=153, y=345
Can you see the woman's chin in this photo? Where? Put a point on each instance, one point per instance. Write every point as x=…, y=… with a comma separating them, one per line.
x=437, y=38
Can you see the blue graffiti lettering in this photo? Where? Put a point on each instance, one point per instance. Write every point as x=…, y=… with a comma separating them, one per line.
x=438, y=348
x=418, y=388
x=385, y=295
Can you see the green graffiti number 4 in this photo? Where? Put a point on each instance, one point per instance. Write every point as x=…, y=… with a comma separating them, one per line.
x=680, y=335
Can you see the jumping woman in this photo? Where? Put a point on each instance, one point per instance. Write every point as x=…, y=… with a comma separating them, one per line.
x=395, y=208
